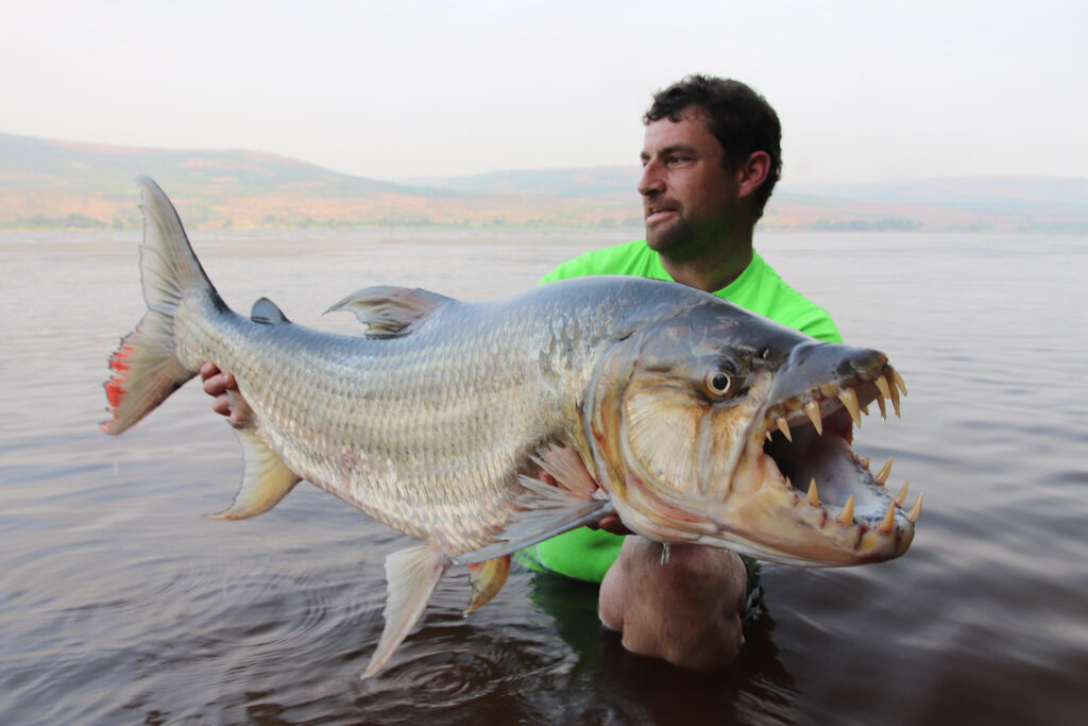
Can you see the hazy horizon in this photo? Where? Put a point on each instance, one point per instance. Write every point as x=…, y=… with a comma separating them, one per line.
x=426, y=179
x=865, y=93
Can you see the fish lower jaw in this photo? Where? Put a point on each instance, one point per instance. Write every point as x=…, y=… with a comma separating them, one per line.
x=790, y=530
x=844, y=520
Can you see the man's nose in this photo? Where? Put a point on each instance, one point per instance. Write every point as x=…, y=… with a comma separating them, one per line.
x=651, y=182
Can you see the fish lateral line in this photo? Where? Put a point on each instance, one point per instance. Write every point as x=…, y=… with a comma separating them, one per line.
x=691, y=413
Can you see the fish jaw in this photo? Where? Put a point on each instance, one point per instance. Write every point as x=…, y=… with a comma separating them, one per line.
x=808, y=499
x=800, y=491
x=682, y=467
x=850, y=520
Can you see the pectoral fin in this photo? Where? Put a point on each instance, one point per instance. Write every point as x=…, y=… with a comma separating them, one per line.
x=544, y=512
x=568, y=470
x=413, y=574
x=265, y=481
x=487, y=579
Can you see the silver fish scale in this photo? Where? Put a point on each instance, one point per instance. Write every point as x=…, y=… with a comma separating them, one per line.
x=425, y=432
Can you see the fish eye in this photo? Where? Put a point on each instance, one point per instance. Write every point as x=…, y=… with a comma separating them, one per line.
x=718, y=383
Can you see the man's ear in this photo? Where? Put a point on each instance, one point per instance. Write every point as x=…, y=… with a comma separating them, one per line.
x=752, y=173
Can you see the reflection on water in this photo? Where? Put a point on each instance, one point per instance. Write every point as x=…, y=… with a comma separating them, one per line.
x=120, y=604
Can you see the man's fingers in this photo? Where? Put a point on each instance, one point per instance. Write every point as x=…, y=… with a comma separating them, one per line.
x=220, y=383
x=213, y=384
x=217, y=384
x=221, y=405
x=207, y=370
x=611, y=523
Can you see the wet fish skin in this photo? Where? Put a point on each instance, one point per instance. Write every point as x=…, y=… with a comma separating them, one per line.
x=428, y=433
x=440, y=422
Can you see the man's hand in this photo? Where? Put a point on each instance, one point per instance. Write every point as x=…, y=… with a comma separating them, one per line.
x=685, y=608
x=219, y=384
x=611, y=523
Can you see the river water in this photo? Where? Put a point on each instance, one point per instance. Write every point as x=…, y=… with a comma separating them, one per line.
x=120, y=604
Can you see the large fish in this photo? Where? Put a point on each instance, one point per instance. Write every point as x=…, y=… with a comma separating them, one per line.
x=483, y=428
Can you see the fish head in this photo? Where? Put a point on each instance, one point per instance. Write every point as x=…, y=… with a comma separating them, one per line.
x=719, y=427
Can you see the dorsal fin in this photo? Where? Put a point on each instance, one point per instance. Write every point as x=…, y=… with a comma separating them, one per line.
x=267, y=312
x=387, y=310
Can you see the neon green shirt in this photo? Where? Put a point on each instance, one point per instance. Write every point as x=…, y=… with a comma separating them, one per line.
x=584, y=553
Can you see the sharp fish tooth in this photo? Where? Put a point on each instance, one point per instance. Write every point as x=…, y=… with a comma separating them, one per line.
x=913, y=514
x=883, y=408
x=882, y=475
x=902, y=495
x=813, y=410
x=865, y=462
x=847, y=516
x=898, y=380
x=784, y=428
x=895, y=402
x=850, y=401
x=813, y=496
x=767, y=434
x=889, y=520
x=882, y=383
x=865, y=410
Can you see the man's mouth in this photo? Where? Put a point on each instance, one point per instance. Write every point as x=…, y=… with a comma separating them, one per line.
x=656, y=213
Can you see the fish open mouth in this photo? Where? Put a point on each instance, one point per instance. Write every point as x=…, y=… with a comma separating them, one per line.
x=808, y=436
x=748, y=448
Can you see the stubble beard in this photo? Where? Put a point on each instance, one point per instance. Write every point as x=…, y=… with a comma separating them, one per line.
x=677, y=241
x=684, y=239
x=671, y=238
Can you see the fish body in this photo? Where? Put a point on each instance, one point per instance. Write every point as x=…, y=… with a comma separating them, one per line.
x=482, y=428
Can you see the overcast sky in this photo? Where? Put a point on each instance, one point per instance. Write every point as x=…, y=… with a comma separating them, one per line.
x=866, y=90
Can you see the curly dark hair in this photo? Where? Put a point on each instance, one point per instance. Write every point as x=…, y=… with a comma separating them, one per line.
x=740, y=119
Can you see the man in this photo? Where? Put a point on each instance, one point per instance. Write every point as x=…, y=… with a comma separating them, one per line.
x=711, y=158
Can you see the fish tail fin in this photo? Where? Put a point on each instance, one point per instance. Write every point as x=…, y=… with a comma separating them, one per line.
x=145, y=368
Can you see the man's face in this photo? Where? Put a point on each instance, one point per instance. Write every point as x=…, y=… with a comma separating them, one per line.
x=690, y=199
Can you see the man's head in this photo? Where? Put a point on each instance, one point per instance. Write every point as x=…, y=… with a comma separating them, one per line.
x=739, y=118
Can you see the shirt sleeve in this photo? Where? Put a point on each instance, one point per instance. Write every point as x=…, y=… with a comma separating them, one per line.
x=571, y=268
x=552, y=276
x=819, y=324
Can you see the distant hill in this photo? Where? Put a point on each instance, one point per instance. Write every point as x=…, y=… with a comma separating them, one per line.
x=600, y=181
x=989, y=194
x=48, y=184
x=1004, y=204
x=63, y=184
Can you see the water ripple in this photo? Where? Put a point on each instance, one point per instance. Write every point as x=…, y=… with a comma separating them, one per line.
x=119, y=604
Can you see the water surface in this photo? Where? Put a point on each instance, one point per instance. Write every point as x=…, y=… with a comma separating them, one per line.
x=120, y=604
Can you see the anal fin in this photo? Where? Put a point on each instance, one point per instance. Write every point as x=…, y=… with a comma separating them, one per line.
x=413, y=574
x=266, y=480
x=487, y=579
